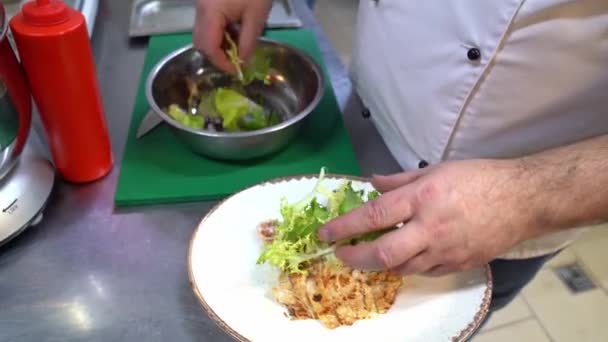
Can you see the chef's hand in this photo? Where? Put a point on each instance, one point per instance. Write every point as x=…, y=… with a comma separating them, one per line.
x=457, y=215
x=212, y=19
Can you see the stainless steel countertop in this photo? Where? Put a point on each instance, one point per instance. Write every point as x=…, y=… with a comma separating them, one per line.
x=91, y=272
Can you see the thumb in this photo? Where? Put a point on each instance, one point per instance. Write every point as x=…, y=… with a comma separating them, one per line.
x=391, y=182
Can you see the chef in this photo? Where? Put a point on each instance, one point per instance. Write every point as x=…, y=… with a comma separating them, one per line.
x=496, y=110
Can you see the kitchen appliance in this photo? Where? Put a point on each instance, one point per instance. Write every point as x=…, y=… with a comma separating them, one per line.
x=26, y=178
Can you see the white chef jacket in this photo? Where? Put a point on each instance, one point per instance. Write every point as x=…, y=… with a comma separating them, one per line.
x=459, y=79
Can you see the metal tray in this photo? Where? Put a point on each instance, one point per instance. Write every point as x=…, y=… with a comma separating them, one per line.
x=150, y=17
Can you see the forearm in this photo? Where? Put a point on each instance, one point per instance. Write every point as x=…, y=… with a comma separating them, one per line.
x=567, y=186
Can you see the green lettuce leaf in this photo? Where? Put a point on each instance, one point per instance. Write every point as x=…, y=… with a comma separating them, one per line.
x=345, y=199
x=194, y=121
x=372, y=195
x=235, y=107
x=296, y=239
x=257, y=68
x=252, y=120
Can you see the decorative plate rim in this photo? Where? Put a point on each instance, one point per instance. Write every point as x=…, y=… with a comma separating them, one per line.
x=463, y=336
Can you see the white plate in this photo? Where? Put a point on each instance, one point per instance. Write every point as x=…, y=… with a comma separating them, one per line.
x=235, y=291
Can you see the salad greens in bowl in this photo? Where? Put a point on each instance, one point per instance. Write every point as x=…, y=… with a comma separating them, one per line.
x=252, y=113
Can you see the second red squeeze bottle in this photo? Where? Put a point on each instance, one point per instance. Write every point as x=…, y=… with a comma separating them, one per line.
x=55, y=51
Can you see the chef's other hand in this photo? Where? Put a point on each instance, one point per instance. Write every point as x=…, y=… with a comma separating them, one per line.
x=214, y=16
x=456, y=216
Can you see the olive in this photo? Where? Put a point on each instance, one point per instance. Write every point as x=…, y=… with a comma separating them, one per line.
x=214, y=123
x=218, y=121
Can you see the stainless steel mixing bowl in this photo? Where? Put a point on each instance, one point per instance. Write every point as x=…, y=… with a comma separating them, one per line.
x=296, y=90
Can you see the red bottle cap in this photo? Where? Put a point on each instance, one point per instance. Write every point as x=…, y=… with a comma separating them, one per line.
x=45, y=12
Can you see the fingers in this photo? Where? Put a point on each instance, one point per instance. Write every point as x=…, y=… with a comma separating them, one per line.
x=439, y=270
x=212, y=19
x=421, y=263
x=208, y=35
x=384, y=212
x=212, y=39
x=197, y=30
x=388, y=251
x=253, y=23
x=391, y=182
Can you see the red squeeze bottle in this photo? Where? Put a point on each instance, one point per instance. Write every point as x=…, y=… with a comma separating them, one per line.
x=53, y=44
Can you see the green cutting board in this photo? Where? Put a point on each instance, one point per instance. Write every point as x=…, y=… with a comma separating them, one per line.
x=158, y=169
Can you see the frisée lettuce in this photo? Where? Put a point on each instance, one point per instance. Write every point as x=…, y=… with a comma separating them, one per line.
x=296, y=235
x=257, y=68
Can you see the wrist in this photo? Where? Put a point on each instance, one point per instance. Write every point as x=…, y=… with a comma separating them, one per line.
x=529, y=209
x=549, y=188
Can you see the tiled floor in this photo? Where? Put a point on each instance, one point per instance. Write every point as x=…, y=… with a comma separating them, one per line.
x=546, y=310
